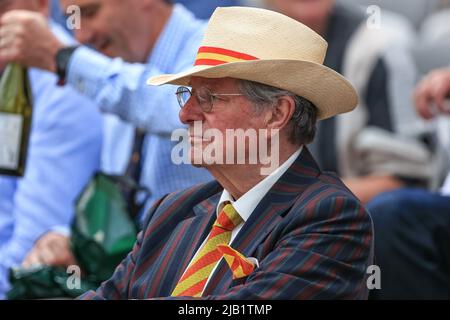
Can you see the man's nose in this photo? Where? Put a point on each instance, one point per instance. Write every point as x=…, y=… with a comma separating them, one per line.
x=191, y=112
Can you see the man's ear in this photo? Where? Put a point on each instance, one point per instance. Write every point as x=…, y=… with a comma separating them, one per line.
x=281, y=113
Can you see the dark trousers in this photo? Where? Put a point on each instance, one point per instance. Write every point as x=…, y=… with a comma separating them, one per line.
x=412, y=244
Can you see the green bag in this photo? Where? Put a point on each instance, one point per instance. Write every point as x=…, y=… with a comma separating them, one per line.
x=45, y=282
x=103, y=233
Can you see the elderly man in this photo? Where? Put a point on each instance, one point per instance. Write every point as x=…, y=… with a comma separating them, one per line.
x=134, y=39
x=297, y=233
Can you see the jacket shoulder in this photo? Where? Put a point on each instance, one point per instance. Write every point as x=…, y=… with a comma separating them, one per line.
x=329, y=199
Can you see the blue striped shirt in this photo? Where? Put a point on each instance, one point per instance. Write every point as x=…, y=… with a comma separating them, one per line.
x=119, y=88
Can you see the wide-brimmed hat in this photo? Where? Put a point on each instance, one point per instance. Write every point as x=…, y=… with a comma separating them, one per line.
x=270, y=48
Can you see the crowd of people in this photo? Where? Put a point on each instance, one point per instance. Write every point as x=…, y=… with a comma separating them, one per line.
x=357, y=175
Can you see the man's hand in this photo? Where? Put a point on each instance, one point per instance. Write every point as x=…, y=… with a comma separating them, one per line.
x=51, y=249
x=432, y=92
x=367, y=187
x=26, y=38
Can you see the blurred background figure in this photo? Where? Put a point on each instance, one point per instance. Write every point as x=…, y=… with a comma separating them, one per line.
x=64, y=151
x=201, y=8
x=123, y=44
x=367, y=146
x=415, y=11
x=412, y=226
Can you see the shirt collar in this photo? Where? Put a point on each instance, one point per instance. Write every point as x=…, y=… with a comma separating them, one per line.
x=248, y=202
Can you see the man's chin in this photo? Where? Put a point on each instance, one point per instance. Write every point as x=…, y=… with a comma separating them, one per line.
x=198, y=161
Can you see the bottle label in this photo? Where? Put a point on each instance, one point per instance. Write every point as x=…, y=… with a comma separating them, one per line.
x=10, y=138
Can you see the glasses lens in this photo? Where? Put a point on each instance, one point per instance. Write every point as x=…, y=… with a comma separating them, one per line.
x=205, y=99
x=183, y=95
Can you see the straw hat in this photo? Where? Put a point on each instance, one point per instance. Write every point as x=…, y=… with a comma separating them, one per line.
x=269, y=48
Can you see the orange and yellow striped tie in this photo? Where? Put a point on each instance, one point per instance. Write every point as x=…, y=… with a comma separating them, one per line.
x=196, y=276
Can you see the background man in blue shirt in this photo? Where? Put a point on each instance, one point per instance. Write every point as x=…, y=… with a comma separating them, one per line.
x=204, y=9
x=134, y=40
x=63, y=153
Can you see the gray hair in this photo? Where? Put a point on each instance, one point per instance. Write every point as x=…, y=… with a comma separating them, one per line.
x=304, y=119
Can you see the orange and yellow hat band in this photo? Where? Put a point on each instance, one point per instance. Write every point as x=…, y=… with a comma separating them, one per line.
x=213, y=56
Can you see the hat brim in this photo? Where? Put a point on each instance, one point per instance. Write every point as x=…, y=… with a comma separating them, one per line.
x=330, y=92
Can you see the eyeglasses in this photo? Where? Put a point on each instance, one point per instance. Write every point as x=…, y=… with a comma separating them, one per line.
x=204, y=97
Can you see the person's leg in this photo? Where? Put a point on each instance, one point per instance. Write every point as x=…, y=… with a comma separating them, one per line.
x=412, y=244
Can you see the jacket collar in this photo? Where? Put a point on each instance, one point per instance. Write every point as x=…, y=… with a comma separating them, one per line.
x=268, y=213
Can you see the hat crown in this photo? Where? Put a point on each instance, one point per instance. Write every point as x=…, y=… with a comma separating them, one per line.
x=269, y=48
x=263, y=34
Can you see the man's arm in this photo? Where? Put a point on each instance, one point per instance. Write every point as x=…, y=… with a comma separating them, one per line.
x=63, y=154
x=51, y=249
x=114, y=85
x=381, y=115
x=368, y=187
x=119, y=87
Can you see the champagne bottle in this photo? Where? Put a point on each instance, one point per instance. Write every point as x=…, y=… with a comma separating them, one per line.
x=15, y=119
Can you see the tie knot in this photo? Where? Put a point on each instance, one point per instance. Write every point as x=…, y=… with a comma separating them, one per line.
x=228, y=218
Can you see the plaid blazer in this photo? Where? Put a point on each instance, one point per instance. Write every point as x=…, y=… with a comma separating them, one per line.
x=310, y=234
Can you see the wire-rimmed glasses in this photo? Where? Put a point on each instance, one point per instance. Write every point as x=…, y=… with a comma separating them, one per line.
x=205, y=98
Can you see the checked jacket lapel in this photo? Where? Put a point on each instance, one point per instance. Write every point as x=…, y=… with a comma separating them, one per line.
x=269, y=212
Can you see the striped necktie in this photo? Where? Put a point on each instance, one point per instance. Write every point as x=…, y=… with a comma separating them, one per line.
x=194, y=280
